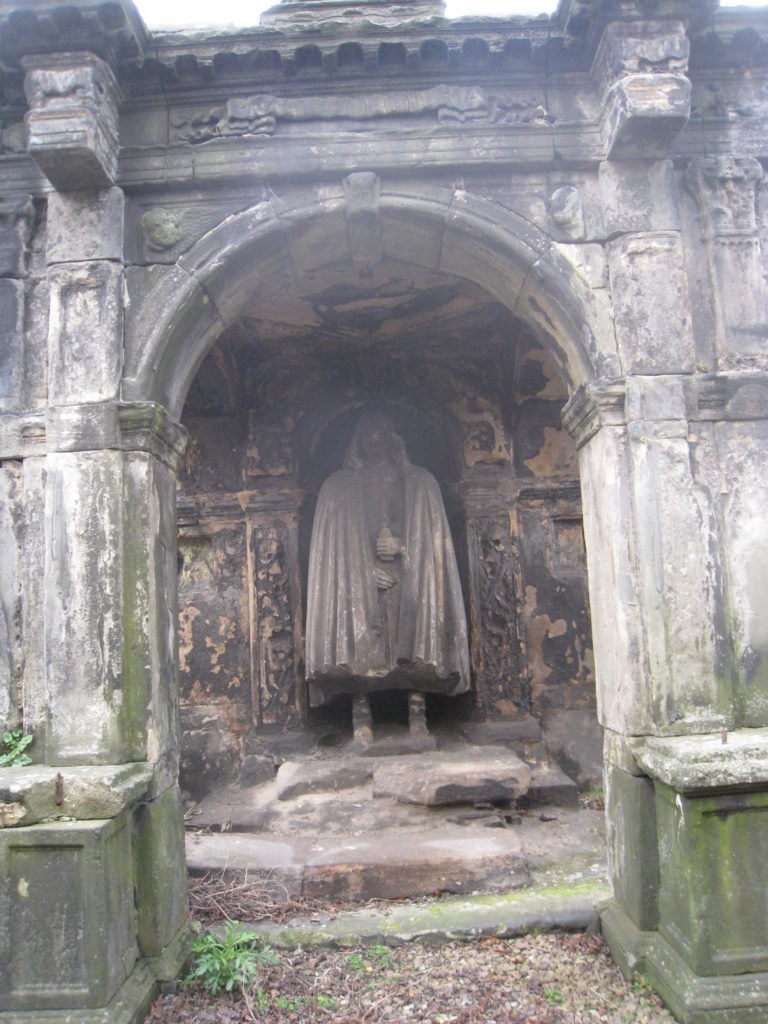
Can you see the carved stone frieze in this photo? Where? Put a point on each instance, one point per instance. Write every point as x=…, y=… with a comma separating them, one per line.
x=262, y=115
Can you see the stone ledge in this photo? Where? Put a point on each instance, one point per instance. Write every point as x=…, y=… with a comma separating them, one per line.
x=36, y=793
x=704, y=763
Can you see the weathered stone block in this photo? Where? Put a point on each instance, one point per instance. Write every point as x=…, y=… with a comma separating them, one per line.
x=72, y=121
x=713, y=902
x=11, y=342
x=11, y=651
x=673, y=520
x=150, y=612
x=622, y=702
x=574, y=740
x=85, y=332
x=85, y=226
x=38, y=793
x=66, y=900
x=484, y=773
x=638, y=196
x=83, y=607
x=159, y=871
x=744, y=502
x=632, y=846
x=653, y=320
x=643, y=115
x=16, y=217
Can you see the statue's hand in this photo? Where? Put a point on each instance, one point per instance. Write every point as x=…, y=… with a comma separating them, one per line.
x=388, y=547
x=383, y=580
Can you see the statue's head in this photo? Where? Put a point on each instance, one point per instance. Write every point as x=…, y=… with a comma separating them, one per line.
x=375, y=440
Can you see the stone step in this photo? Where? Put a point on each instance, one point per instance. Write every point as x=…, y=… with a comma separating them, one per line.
x=552, y=786
x=464, y=776
x=389, y=865
x=297, y=778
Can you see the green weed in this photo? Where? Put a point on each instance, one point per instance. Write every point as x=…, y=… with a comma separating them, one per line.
x=221, y=964
x=13, y=750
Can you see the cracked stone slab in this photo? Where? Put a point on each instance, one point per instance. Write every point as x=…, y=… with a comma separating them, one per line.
x=465, y=776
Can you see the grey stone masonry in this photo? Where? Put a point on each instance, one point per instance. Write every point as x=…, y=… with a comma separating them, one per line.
x=541, y=244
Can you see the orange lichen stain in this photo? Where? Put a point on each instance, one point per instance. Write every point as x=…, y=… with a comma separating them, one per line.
x=538, y=627
x=186, y=617
x=556, y=457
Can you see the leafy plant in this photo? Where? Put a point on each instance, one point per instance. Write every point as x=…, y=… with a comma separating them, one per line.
x=221, y=963
x=553, y=997
x=13, y=751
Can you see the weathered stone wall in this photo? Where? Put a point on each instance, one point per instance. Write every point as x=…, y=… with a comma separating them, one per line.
x=361, y=215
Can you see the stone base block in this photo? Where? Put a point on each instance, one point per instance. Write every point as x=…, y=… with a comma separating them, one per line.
x=131, y=1002
x=68, y=938
x=717, y=999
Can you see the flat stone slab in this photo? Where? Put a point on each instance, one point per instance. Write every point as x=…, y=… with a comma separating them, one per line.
x=36, y=793
x=464, y=776
x=297, y=778
x=402, y=864
x=387, y=865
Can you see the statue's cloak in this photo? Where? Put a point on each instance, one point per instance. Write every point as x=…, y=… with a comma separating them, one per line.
x=345, y=650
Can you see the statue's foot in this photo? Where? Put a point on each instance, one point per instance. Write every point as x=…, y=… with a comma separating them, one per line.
x=417, y=714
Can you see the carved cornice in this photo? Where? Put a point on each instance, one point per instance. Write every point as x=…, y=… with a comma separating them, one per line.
x=112, y=30
x=593, y=406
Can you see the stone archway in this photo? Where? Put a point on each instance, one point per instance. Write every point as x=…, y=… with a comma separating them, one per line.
x=177, y=318
x=481, y=519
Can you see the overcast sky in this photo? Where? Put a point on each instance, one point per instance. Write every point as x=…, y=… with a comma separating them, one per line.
x=158, y=13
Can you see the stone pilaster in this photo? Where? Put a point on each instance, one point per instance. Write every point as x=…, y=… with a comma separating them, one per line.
x=725, y=188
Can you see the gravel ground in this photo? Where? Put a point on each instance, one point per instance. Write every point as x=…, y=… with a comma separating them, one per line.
x=536, y=979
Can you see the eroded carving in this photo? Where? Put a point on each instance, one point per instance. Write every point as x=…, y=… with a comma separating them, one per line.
x=496, y=647
x=162, y=229
x=272, y=559
x=567, y=211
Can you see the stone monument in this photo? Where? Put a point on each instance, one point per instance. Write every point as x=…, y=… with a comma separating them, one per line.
x=384, y=603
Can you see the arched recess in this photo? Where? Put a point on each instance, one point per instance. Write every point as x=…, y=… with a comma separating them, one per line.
x=251, y=255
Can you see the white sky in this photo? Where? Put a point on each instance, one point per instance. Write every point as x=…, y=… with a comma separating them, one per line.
x=170, y=13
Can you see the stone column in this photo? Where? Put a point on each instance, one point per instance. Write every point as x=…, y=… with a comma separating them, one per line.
x=675, y=522
x=97, y=832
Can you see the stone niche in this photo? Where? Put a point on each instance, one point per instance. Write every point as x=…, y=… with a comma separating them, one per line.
x=270, y=415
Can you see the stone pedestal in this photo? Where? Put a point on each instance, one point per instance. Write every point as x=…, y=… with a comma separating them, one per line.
x=688, y=848
x=77, y=894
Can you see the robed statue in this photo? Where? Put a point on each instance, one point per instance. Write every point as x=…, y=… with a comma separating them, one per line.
x=384, y=604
